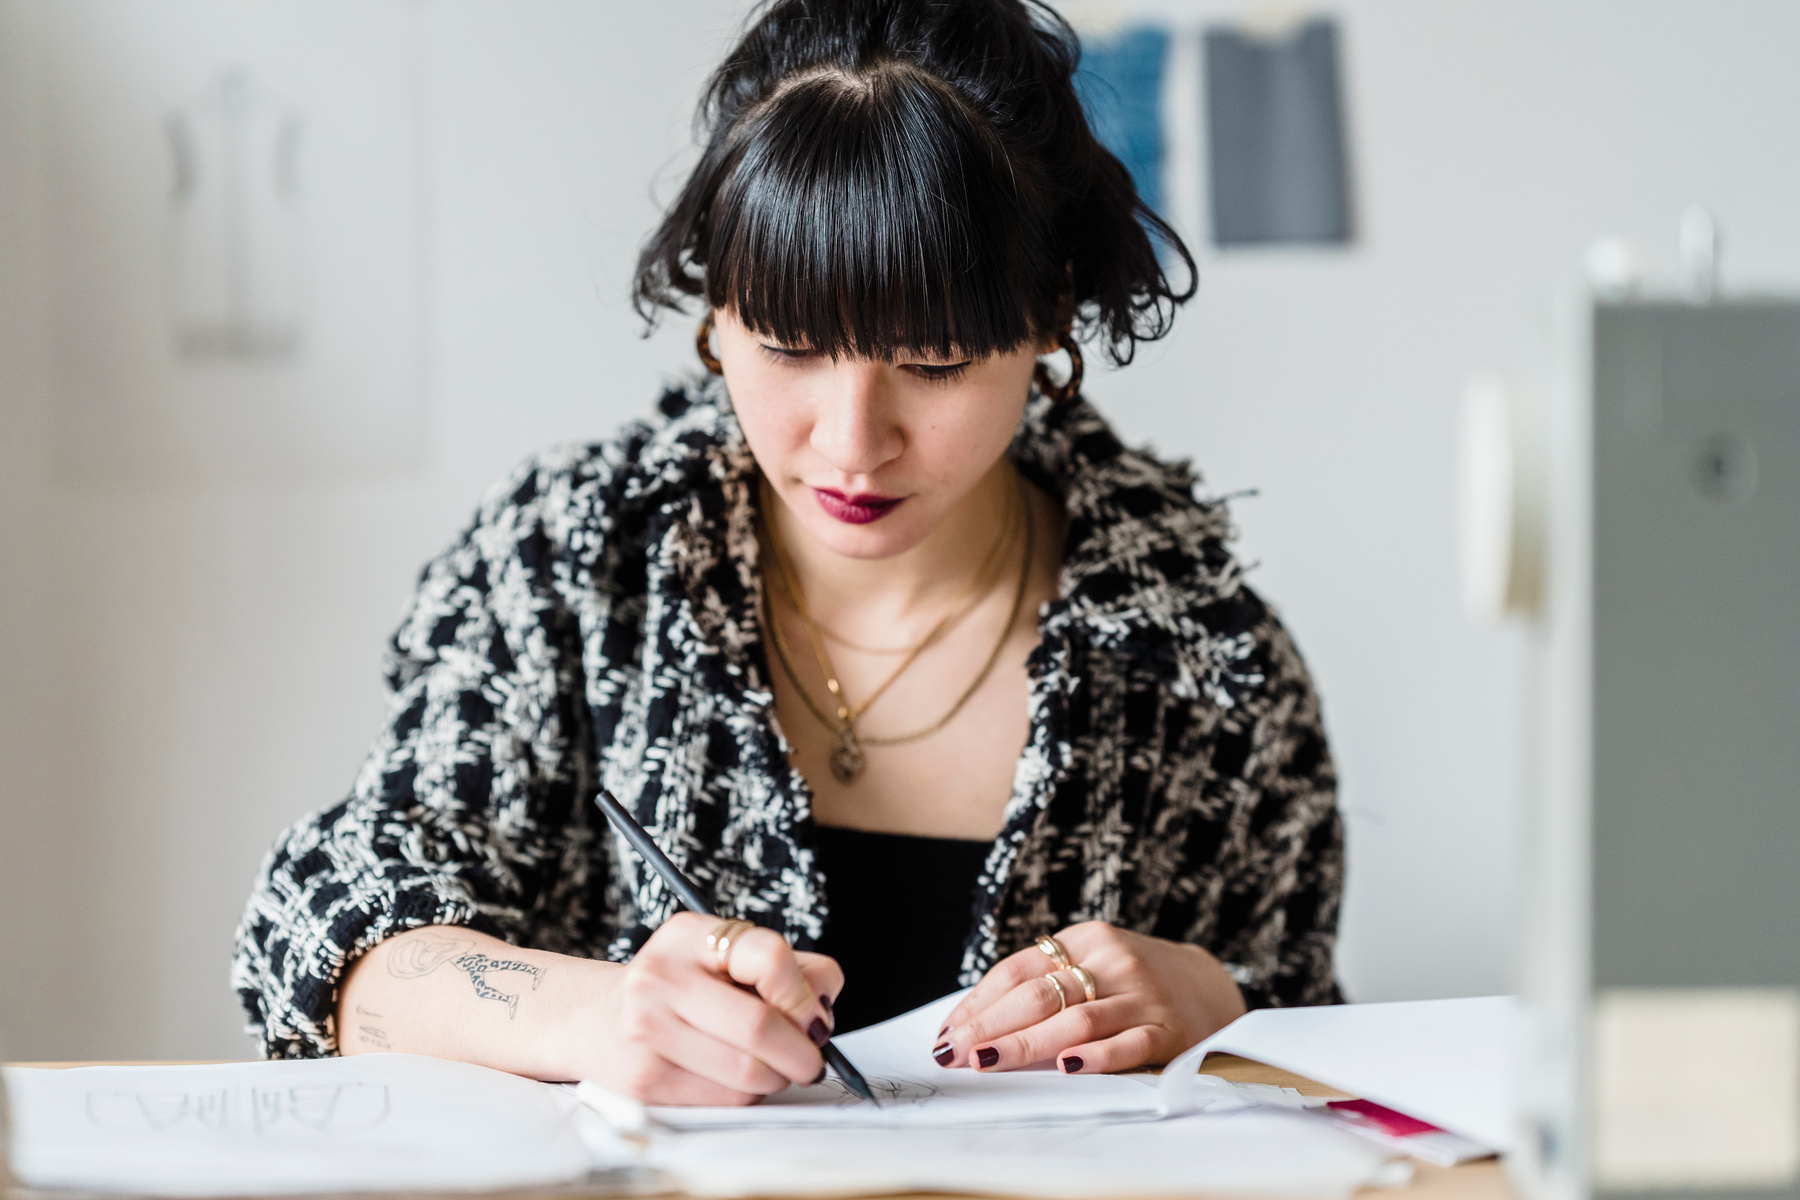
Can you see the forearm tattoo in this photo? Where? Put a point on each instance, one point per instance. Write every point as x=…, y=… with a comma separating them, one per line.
x=372, y=1035
x=419, y=956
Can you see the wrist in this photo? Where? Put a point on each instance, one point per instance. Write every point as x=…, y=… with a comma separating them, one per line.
x=577, y=1013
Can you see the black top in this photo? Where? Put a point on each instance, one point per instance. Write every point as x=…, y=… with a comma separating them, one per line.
x=901, y=911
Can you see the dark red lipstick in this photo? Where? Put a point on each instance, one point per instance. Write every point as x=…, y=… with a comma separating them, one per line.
x=854, y=510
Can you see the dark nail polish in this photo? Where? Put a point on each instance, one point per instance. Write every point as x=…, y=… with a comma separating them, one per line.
x=825, y=1003
x=943, y=1053
x=1071, y=1064
x=943, y=1031
x=817, y=1032
x=821, y=1078
x=987, y=1056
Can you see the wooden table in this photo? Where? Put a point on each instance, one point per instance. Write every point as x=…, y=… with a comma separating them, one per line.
x=1471, y=1181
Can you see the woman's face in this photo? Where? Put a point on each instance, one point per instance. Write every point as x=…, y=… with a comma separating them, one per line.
x=871, y=457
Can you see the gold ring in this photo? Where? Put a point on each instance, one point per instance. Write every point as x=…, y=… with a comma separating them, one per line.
x=1054, y=949
x=1062, y=997
x=1085, y=978
x=720, y=941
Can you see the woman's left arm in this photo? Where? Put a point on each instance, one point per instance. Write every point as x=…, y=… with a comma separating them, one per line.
x=1274, y=926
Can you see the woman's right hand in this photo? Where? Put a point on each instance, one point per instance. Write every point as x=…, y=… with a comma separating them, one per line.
x=667, y=1028
x=673, y=1030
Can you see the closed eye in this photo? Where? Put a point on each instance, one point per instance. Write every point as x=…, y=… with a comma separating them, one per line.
x=783, y=354
x=939, y=372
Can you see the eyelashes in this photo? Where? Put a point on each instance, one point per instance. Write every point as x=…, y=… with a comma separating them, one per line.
x=940, y=373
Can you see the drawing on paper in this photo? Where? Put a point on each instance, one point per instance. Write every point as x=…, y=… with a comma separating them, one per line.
x=322, y=1108
x=890, y=1091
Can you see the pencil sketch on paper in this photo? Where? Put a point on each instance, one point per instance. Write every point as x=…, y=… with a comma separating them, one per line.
x=329, y=1109
x=891, y=1091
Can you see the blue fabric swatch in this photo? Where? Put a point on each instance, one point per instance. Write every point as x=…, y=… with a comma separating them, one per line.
x=1120, y=85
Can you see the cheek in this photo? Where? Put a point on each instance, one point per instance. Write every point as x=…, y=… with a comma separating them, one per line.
x=963, y=440
x=773, y=425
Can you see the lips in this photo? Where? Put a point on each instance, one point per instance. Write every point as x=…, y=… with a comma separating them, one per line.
x=855, y=510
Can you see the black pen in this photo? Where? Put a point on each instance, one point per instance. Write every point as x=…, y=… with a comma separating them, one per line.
x=691, y=898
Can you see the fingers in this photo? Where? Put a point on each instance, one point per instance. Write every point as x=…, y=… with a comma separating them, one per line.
x=744, y=1023
x=1082, y=941
x=1036, y=1000
x=652, y=1079
x=1074, y=1026
x=825, y=977
x=707, y=1057
x=743, y=1033
x=1002, y=978
x=1129, y=1048
x=762, y=959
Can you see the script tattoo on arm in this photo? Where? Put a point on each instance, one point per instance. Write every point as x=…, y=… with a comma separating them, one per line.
x=371, y=1035
x=419, y=956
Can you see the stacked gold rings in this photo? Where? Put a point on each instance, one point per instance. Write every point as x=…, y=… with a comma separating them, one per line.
x=1054, y=949
x=721, y=939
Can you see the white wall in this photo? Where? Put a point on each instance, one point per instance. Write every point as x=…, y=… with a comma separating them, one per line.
x=188, y=668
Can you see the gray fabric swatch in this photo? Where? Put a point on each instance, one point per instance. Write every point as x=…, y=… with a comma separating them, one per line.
x=1275, y=135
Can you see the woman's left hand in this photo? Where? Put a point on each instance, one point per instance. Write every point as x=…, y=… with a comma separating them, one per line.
x=1152, y=1000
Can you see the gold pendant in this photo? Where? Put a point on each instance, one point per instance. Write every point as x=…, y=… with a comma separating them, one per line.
x=847, y=761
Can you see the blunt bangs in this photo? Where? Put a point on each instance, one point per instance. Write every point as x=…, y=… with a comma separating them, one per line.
x=873, y=215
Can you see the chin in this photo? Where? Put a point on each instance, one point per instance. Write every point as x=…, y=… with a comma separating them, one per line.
x=885, y=538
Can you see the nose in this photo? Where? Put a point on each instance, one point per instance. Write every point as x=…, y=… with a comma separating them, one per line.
x=853, y=425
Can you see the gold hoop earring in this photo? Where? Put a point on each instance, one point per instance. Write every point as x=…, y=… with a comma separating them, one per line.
x=703, y=345
x=1061, y=393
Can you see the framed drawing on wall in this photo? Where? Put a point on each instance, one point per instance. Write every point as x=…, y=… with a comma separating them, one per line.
x=233, y=234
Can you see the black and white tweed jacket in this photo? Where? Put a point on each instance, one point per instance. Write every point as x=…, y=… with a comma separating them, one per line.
x=599, y=624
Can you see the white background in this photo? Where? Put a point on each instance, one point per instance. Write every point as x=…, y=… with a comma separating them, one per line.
x=187, y=667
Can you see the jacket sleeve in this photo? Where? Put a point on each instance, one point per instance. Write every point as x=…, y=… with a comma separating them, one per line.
x=1282, y=874
x=471, y=808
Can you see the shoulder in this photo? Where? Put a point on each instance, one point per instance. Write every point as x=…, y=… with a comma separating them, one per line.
x=1150, y=572
x=580, y=493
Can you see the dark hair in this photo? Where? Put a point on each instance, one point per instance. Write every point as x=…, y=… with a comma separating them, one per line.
x=891, y=175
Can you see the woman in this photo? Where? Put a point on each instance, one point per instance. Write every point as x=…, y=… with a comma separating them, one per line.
x=908, y=663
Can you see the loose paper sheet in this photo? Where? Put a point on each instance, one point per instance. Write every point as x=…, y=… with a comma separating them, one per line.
x=1252, y=1152
x=373, y=1122
x=895, y=1058
x=1448, y=1062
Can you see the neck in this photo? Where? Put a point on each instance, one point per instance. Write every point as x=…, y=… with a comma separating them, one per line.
x=893, y=595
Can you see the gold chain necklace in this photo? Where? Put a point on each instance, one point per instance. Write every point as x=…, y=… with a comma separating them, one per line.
x=849, y=760
x=846, y=714
x=983, y=583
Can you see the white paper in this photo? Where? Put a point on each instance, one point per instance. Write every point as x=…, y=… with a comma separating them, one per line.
x=1256, y=1152
x=1448, y=1062
x=895, y=1058
x=370, y=1123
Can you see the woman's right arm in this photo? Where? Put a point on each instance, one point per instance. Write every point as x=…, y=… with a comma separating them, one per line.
x=666, y=1028
x=389, y=921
